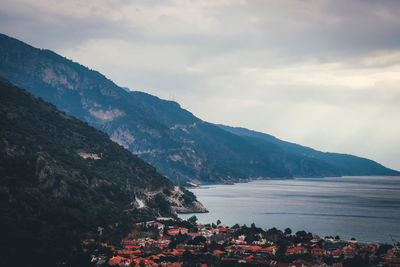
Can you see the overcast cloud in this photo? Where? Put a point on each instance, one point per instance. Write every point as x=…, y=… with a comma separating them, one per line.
x=322, y=73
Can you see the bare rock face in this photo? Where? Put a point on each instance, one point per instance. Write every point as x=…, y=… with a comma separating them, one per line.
x=196, y=207
x=182, y=201
x=177, y=200
x=106, y=115
x=122, y=137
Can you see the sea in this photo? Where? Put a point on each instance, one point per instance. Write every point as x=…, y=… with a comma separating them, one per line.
x=364, y=208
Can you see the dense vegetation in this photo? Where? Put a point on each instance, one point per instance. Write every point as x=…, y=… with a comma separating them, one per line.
x=51, y=197
x=180, y=145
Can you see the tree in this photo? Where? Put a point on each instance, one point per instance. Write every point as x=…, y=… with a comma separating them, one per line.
x=282, y=246
x=357, y=261
x=218, y=222
x=187, y=255
x=192, y=220
x=173, y=244
x=155, y=249
x=199, y=239
x=288, y=231
x=382, y=249
x=273, y=234
x=329, y=260
x=251, y=238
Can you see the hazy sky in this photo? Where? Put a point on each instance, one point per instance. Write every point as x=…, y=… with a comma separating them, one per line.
x=322, y=73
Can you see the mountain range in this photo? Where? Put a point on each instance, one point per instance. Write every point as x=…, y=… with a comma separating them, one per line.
x=181, y=146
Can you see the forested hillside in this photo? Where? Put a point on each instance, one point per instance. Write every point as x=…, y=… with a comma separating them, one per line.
x=63, y=181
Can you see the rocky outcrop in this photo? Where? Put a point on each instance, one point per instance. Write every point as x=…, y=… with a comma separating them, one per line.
x=181, y=204
x=180, y=200
x=196, y=207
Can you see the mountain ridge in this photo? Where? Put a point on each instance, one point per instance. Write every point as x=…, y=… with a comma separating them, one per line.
x=300, y=150
x=181, y=146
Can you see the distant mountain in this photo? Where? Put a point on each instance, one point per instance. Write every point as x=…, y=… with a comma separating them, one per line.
x=180, y=145
x=303, y=161
x=62, y=181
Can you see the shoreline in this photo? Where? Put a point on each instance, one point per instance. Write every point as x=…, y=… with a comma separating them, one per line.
x=315, y=211
x=245, y=181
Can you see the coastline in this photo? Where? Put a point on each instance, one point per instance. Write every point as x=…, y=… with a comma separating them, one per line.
x=312, y=209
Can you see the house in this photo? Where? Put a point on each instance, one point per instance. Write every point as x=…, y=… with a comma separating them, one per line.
x=129, y=253
x=296, y=251
x=260, y=242
x=132, y=246
x=157, y=225
x=118, y=260
x=348, y=252
x=250, y=248
x=176, y=231
x=337, y=253
x=318, y=252
x=222, y=229
x=193, y=235
x=206, y=233
x=301, y=263
x=270, y=250
x=146, y=262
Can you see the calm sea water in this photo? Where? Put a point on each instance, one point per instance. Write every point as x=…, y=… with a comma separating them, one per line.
x=367, y=208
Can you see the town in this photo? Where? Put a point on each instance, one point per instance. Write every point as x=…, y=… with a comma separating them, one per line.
x=175, y=243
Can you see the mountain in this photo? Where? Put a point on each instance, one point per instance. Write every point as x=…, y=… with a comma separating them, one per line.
x=303, y=161
x=63, y=181
x=181, y=146
x=178, y=144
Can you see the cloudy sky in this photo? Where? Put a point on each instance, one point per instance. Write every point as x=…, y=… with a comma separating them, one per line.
x=322, y=73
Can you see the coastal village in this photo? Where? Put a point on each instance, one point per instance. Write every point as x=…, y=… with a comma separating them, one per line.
x=175, y=243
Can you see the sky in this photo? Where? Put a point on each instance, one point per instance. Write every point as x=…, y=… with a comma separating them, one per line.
x=321, y=73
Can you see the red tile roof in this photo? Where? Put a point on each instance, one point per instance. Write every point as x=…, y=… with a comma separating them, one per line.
x=337, y=252
x=194, y=234
x=129, y=252
x=117, y=260
x=269, y=249
x=295, y=250
x=251, y=247
x=132, y=246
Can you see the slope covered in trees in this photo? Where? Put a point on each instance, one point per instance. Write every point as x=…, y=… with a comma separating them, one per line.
x=63, y=181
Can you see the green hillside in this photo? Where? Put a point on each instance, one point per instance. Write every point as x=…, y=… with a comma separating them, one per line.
x=63, y=181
